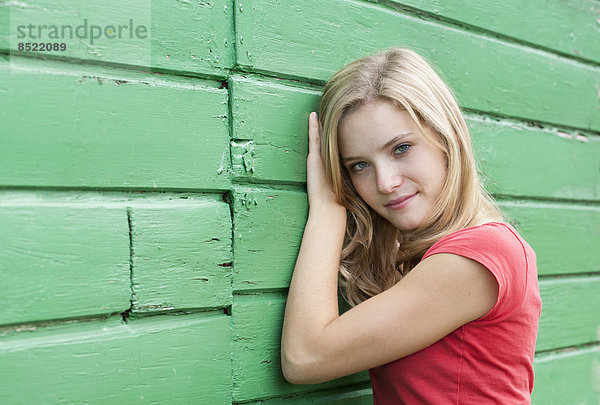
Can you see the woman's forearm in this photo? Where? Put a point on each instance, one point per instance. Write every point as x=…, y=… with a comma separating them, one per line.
x=312, y=298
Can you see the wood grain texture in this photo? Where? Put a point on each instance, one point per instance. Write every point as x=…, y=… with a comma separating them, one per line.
x=181, y=256
x=69, y=126
x=162, y=359
x=256, y=322
x=570, y=377
x=570, y=312
x=565, y=26
x=564, y=236
x=270, y=145
x=62, y=261
x=185, y=36
x=270, y=122
x=344, y=396
x=269, y=223
x=295, y=39
x=527, y=161
x=268, y=228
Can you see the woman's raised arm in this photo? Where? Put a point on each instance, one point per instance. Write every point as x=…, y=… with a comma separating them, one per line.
x=312, y=298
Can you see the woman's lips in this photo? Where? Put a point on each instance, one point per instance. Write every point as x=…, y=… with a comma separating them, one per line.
x=401, y=202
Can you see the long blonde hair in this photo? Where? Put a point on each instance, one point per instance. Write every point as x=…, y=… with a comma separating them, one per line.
x=371, y=260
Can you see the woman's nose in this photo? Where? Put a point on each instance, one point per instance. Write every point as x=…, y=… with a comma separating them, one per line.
x=388, y=179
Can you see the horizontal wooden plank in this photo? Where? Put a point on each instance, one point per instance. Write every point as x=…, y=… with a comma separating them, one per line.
x=184, y=36
x=265, y=259
x=111, y=128
x=487, y=74
x=257, y=321
x=270, y=144
x=568, y=27
x=183, y=359
x=73, y=247
x=62, y=261
x=268, y=229
x=570, y=377
x=193, y=36
x=527, y=161
x=251, y=347
x=564, y=236
x=181, y=256
x=344, y=396
x=269, y=122
x=570, y=312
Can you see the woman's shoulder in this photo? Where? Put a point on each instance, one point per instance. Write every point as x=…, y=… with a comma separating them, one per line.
x=485, y=234
x=496, y=241
x=501, y=249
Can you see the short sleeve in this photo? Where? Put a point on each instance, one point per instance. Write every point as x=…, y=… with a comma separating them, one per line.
x=497, y=247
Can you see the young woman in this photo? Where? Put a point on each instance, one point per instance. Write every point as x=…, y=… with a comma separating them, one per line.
x=444, y=293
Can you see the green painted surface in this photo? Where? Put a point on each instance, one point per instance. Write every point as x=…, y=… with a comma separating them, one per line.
x=181, y=256
x=185, y=36
x=111, y=128
x=61, y=261
x=264, y=258
x=157, y=359
x=269, y=129
x=566, y=26
x=570, y=312
x=269, y=123
x=195, y=36
x=564, y=235
x=342, y=396
x=295, y=38
x=256, y=323
x=570, y=377
x=526, y=161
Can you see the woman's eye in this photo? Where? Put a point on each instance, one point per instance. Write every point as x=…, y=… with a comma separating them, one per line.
x=359, y=166
x=402, y=148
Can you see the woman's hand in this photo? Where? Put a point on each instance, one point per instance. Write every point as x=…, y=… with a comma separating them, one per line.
x=320, y=194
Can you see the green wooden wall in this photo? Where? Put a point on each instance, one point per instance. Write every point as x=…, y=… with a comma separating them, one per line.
x=152, y=195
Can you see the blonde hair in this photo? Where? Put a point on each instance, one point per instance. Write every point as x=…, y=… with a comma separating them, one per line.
x=371, y=259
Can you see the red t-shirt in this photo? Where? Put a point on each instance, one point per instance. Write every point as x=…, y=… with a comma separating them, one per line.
x=486, y=361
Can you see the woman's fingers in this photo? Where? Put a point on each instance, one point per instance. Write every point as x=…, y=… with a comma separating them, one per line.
x=319, y=191
x=314, y=138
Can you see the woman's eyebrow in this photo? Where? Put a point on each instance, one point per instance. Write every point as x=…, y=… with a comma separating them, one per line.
x=387, y=145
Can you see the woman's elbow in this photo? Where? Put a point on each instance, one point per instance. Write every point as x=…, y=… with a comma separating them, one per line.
x=290, y=371
x=294, y=370
x=290, y=374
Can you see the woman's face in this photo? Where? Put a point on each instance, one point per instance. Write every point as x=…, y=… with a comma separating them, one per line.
x=393, y=167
